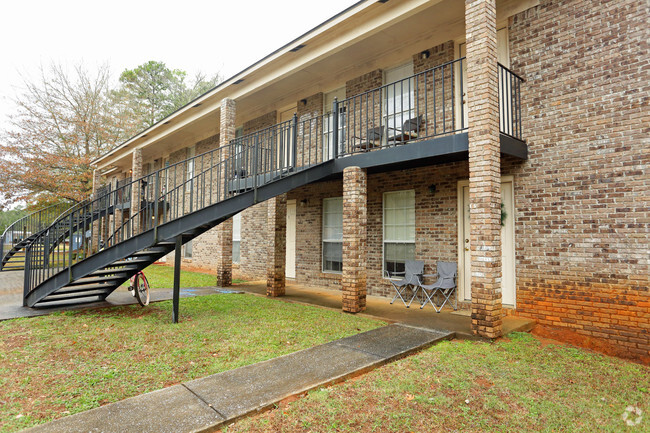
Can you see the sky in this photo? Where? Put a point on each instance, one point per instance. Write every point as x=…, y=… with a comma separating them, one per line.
x=209, y=36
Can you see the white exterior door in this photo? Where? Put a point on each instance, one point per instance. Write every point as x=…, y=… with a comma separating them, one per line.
x=290, y=263
x=508, y=287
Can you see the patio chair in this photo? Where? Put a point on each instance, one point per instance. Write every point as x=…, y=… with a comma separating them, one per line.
x=444, y=287
x=413, y=270
x=372, y=138
x=408, y=131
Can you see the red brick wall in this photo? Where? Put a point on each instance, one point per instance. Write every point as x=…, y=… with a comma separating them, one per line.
x=582, y=197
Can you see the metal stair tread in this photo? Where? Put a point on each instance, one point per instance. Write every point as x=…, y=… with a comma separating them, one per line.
x=88, y=279
x=50, y=298
x=108, y=271
x=84, y=287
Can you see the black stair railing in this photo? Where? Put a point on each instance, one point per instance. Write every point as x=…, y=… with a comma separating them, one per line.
x=18, y=235
x=425, y=105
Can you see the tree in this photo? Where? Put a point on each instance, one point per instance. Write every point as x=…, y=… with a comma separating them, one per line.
x=62, y=122
x=153, y=91
x=65, y=120
x=8, y=217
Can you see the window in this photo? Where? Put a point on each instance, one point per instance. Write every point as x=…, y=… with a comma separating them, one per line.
x=333, y=234
x=399, y=229
x=328, y=123
x=399, y=96
x=187, y=251
x=236, y=238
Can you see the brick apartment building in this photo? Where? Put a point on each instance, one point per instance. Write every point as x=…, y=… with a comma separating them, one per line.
x=532, y=175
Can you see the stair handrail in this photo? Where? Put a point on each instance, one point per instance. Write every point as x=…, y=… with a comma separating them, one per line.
x=32, y=223
x=51, y=252
x=243, y=164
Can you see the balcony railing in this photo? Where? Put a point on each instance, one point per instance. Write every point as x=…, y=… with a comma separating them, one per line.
x=426, y=105
x=510, y=102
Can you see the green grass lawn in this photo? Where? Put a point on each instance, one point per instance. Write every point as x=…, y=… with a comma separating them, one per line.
x=160, y=276
x=64, y=363
x=517, y=384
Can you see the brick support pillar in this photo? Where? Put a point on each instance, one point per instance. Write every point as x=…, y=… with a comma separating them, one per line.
x=277, y=245
x=224, y=230
x=95, y=228
x=355, y=203
x=484, y=166
x=136, y=191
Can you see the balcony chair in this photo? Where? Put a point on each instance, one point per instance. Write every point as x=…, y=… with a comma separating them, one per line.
x=413, y=270
x=373, y=137
x=443, y=288
x=408, y=131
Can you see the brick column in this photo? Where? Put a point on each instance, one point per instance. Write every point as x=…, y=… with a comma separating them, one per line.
x=224, y=230
x=95, y=228
x=355, y=202
x=484, y=166
x=136, y=190
x=277, y=245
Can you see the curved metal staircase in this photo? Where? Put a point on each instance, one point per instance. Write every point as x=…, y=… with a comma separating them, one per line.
x=91, y=250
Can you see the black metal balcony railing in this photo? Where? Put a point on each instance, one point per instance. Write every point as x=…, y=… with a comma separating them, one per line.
x=509, y=102
x=426, y=105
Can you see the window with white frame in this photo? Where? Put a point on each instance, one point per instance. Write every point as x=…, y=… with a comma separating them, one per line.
x=399, y=97
x=187, y=250
x=328, y=123
x=236, y=238
x=399, y=229
x=333, y=234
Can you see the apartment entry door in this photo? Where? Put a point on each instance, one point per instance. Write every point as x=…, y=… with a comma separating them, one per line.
x=508, y=289
x=290, y=262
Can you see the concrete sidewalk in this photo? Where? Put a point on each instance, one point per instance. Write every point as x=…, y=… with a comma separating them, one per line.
x=205, y=404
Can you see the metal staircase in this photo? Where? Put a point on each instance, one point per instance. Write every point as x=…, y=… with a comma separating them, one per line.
x=95, y=247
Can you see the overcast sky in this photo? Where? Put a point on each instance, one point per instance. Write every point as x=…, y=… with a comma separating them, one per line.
x=209, y=36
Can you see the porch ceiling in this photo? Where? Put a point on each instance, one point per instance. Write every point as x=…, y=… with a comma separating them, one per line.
x=383, y=47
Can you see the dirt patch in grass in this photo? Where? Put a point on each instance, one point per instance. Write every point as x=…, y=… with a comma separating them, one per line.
x=65, y=363
x=515, y=385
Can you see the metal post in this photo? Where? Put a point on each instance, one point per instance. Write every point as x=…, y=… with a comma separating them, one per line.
x=294, y=142
x=335, y=129
x=256, y=151
x=26, y=280
x=70, y=247
x=177, y=278
x=156, y=204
